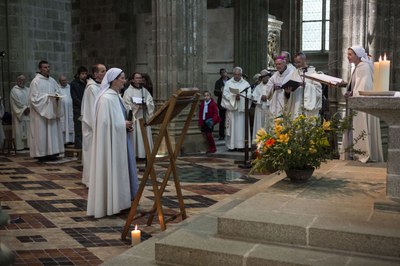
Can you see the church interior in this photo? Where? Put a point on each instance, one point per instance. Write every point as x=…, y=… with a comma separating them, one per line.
x=347, y=214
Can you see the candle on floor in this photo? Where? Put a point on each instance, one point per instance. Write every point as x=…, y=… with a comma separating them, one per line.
x=135, y=236
x=384, y=70
x=377, y=75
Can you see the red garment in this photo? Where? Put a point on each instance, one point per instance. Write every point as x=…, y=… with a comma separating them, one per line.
x=212, y=113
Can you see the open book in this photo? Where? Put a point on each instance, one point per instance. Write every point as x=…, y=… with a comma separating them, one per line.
x=294, y=82
x=323, y=78
x=234, y=91
x=137, y=100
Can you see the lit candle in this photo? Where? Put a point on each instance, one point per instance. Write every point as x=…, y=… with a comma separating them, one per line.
x=377, y=76
x=135, y=236
x=384, y=70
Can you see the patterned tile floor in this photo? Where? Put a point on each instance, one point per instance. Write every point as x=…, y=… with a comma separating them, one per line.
x=47, y=207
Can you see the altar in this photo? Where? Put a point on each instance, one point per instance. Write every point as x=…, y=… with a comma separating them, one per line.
x=387, y=108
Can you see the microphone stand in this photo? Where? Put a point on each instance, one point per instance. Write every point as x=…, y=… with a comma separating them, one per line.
x=246, y=163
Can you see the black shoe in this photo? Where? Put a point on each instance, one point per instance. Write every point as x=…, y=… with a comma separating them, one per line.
x=231, y=150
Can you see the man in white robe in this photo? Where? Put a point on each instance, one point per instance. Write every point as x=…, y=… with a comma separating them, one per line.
x=20, y=113
x=288, y=60
x=140, y=111
x=109, y=185
x=275, y=93
x=262, y=115
x=87, y=115
x=67, y=121
x=235, y=110
x=305, y=99
x=362, y=80
x=46, y=140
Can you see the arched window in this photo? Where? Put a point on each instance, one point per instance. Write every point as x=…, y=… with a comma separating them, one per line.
x=315, y=25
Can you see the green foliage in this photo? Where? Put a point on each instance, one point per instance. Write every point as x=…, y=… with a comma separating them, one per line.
x=298, y=144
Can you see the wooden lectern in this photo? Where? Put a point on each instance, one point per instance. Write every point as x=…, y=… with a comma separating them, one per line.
x=178, y=101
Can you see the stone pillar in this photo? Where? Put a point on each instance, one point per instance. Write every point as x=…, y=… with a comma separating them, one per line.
x=180, y=52
x=251, y=35
x=375, y=29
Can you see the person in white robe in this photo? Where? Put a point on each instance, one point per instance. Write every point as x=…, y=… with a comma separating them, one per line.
x=87, y=115
x=262, y=115
x=234, y=102
x=142, y=106
x=288, y=60
x=362, y=79
x=307, y=98
x=275, y=93
x=67, y=121
x=20, y=113
x=113, y=178
x=46, y=140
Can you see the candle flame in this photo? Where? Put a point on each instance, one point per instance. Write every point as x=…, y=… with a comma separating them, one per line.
x=380, y=58
x=384, y=58
x=135, y=227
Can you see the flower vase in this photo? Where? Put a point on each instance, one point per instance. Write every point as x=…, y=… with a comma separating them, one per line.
x=300, y=175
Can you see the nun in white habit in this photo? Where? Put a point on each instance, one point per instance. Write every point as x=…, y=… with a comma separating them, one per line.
x=113, y=179
x=362, y=79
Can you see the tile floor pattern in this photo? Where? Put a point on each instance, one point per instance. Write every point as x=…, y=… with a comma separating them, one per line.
x=47, y=207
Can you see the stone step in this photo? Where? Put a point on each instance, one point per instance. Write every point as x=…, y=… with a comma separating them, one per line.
x=185, y=247
x=265, y=223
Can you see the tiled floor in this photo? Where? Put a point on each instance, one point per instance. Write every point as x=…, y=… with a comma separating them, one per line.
x=47, y=207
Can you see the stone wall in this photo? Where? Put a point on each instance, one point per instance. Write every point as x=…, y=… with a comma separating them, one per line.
x=32, y=31
x=101, y=33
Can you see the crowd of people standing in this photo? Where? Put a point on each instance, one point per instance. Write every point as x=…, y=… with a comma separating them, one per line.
x=99, y=113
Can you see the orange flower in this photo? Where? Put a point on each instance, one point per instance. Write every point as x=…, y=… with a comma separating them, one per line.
x=269, y=142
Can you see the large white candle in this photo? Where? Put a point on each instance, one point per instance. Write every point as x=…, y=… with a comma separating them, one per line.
x=384, y=70
x=135, y=236
x=377, y=76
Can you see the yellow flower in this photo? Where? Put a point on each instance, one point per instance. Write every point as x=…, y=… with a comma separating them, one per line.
x=312, y=150
x=278, y=129
x=289, y=151
x=278, y=121
x=260, y=134
x=326, y=125
x=283, y=138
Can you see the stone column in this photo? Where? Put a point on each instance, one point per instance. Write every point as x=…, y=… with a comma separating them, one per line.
x=375, y=29
x=251, y=36
x=180, y=49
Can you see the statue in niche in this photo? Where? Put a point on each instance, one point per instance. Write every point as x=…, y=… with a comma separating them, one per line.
x=273, y=48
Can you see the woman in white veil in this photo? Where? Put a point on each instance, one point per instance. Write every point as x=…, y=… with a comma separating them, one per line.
x=113, y=165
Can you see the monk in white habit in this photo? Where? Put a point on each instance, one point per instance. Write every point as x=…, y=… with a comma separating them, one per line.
x=262, y=115
x=275, y=93
x=20, y=113
x=234, y=102
x=46, y=140
x=67, y=121
x=307, y=98
x=362, y=80
x=87, y=115
x=142, y=106
x=113, y=179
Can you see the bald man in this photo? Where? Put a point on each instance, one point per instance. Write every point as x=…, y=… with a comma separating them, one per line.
x=20, y=113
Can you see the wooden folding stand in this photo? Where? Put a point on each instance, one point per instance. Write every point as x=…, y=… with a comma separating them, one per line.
x=178, y=101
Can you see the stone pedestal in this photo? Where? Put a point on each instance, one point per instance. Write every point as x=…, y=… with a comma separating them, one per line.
x=387, y=109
